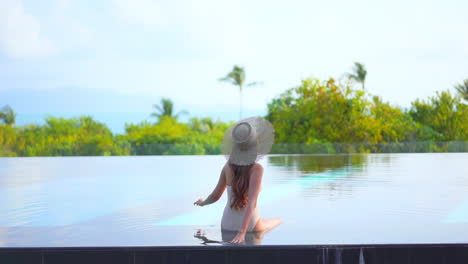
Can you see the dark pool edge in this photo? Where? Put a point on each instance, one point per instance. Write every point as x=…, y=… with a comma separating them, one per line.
x=227, y=246
x=449, y=253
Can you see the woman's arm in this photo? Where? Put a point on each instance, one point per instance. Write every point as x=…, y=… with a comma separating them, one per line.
x=254, y=190
x=217, y=192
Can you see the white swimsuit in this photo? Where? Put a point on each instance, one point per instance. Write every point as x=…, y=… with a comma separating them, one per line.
x=232, y=219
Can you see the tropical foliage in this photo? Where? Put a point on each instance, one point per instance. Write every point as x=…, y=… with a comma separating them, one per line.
x=171, y=137
x=445, y=114
x=318, y=116
x=61, y=137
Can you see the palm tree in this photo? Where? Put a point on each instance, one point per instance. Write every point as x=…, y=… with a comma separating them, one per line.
x=462, y=89
x=8, y=115
x=359, y=74
x=166, y=109
x=237, y=77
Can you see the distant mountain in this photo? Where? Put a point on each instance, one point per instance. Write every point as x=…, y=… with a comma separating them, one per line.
x=110, y=107
x=74, y=99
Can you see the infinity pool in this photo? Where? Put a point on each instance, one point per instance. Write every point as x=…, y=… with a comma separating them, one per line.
x=148, y=200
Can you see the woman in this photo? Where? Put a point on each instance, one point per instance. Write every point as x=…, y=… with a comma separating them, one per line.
x=243, y=145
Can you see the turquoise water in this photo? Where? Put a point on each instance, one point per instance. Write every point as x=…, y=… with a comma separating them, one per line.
x=148, y=200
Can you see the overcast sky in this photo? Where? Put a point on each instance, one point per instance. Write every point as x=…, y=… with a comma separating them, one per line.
x=180, y=48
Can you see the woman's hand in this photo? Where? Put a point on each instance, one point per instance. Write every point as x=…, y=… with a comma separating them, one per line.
x=199, y=202
x=239, y=238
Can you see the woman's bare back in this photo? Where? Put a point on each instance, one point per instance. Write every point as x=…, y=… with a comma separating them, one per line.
x=262, y=225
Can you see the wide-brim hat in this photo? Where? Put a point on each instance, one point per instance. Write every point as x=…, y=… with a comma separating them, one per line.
x=248, y=140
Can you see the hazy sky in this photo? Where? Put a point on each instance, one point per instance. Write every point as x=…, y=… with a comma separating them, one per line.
x=180, y=48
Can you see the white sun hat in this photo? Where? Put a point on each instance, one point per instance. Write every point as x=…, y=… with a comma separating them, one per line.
x=248, y=140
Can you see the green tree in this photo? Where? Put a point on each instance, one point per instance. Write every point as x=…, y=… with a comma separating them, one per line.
x=166, y=109
x=7, y=115
x=67, y=137
x=443, y=113
x=7, y=141
x=202, y=125
x=359, y=74
x=237, y=77
x=393, y=124
x=166, y=137
x=462, y=89
x=322, y=111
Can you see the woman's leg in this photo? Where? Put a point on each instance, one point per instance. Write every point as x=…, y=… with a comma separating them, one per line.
x=264, y=225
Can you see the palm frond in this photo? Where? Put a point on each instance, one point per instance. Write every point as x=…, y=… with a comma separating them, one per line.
x=158, y=108
x=8, y=115
x=462, y=89
x=359, y=73
x=183, y=112
x=236, y=76
x=254, y=84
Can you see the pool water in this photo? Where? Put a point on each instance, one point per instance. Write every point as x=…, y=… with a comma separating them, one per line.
x=148, y=200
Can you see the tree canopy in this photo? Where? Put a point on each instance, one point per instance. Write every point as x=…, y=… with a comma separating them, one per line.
x=316, y=116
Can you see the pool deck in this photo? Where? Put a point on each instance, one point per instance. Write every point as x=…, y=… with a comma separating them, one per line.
x=291, y=254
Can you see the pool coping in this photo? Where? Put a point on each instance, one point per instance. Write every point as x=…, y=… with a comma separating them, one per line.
x=231, y=246
x=451, y=253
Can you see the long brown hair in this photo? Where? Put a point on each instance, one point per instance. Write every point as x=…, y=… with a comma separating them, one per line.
x=240, y=185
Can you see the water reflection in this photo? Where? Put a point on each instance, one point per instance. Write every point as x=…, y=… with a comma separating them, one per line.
x=322, y=199
x=320, y=175
x=317, y=163
x=251, y=238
